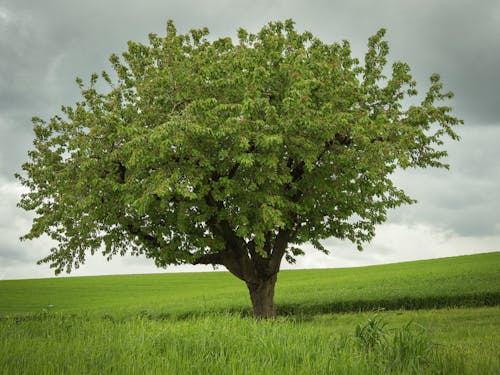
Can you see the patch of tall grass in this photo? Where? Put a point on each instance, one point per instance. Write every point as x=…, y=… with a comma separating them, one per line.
x=218, y=344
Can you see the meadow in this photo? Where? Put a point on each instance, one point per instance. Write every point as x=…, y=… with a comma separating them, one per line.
x=434, y=316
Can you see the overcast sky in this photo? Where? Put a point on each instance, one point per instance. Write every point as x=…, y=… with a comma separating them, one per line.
x=44, y=45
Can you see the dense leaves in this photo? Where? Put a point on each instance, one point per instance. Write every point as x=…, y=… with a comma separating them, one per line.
x=229, y=153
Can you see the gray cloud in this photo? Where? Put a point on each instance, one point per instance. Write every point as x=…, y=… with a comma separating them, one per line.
x=10, y=255
x=458, y=39
x=464, y=199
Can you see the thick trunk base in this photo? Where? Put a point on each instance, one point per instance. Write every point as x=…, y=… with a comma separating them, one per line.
x=262, y=297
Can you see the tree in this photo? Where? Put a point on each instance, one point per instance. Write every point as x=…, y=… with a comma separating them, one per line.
x=209, y=152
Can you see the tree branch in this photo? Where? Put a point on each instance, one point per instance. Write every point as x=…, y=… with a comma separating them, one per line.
x=261, y=263
x=343, y=140
x=233, y=170
x=143, y=236
x=297, y=172
x=279, y=249
x=121, y=172
x=215, y=258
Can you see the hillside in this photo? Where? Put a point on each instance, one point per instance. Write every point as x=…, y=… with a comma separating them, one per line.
x=472, y=280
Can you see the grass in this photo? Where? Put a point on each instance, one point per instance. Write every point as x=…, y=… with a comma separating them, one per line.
x=465, y=281
x=231, y=344
x=199, y=323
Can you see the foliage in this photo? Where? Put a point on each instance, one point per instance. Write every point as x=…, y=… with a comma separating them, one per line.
x=209, y=152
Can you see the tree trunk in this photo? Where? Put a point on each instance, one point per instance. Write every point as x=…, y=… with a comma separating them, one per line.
x=262, y=296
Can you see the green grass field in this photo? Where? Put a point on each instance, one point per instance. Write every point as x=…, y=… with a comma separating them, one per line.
x=435, y=316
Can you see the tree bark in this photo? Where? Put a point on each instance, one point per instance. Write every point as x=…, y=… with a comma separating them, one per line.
x=262, y=297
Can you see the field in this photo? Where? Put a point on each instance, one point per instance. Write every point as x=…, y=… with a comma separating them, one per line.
x=435, y=316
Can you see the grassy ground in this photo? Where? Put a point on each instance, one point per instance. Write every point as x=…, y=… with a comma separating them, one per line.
x=454, y=341
x=458, y=281
x=199, y=323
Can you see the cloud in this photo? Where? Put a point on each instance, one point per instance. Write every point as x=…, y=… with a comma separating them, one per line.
x=396, y=243
x=464, y=199
x=14, y=223
x=4, y=16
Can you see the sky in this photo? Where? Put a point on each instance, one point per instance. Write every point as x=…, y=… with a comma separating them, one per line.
x=45, y=45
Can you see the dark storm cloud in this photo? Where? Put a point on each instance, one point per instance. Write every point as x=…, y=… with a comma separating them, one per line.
x=26, y=85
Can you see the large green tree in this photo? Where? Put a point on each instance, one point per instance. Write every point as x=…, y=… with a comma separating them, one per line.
x=209, y=152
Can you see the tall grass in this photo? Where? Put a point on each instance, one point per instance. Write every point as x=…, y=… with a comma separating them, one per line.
x=218, y=344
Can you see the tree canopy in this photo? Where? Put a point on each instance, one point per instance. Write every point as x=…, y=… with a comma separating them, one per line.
x=215, y=152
